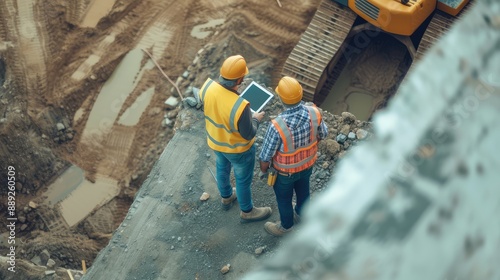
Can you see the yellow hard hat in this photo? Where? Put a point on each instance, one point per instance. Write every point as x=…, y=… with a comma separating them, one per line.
x=289, y=90
x=234, y=67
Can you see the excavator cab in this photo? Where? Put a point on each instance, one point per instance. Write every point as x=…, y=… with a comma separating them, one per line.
x=401, y=17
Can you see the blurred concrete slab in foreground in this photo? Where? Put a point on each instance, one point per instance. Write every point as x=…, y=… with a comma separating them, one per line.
x=419, y=201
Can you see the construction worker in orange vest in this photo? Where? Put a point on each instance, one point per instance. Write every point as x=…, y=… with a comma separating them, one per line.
x=290, y=146
x=231, y=129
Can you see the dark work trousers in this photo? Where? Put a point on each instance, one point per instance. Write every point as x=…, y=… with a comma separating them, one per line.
x=284, y=188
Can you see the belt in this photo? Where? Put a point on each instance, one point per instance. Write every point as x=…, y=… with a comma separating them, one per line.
x=290, y=174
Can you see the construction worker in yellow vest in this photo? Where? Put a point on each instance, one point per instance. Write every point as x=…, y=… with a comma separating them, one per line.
x=231, y=129
x=290, y=147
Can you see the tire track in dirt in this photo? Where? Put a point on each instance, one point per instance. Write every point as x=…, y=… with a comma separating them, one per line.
x=113, y=42
x=46, y=14
x=117, y=146
x=267, y=26
x=4, y=42
x=179, y=14
x=27, y=55
x=115, y=157
x=157, y=35
x=119, y=141
x=85, y=69
x=75, y=10
x=270, y=30
x=157, y=39
x=29, y=68
x=30, y=43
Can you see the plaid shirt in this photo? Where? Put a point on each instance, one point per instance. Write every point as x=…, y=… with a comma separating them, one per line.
x=298, y=121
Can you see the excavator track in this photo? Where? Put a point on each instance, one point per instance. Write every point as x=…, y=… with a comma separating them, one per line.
x=439, y=25
x=318, y=45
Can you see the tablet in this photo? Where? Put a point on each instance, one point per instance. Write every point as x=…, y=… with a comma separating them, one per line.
x=257, y=95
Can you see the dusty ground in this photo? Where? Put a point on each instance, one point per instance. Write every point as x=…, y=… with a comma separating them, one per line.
x=55, y=58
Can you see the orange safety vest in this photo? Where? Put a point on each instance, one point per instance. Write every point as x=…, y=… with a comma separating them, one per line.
x=223, y=109
x=293, y=160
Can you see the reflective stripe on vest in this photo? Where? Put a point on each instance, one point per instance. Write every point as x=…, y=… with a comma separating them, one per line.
x=222, y=109
x=205, y=87
x=293, y=160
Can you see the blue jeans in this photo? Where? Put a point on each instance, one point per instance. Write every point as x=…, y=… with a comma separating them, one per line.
x=284, y=188
x=243, y=164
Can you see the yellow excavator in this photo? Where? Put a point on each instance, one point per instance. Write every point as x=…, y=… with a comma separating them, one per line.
x=401, y=17
x=339, y=27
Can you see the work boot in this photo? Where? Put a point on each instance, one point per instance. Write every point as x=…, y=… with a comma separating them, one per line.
x=257, y=214
x=276, y=229
x=228, y=202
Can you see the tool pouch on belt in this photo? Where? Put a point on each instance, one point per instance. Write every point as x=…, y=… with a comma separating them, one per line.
x=271, y=177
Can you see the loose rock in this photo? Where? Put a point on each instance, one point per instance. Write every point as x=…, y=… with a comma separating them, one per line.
x=345, y=129
x=33, y=205
x=171, y=102
x=51, y=263
x=225, y=269
x=60, y=126
x=36, y=260
x=167, y=123
x=260, y=250
x=332, y=147
x=191, y=101
x=204, y=196
x=341, y=138
x=44, y=257
x=361, y=134
x=348, y=117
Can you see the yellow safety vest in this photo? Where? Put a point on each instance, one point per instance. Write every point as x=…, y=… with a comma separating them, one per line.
x=293, y=160
x=223, y=109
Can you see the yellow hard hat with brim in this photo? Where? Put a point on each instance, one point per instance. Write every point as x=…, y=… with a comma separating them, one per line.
x=234, y=67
